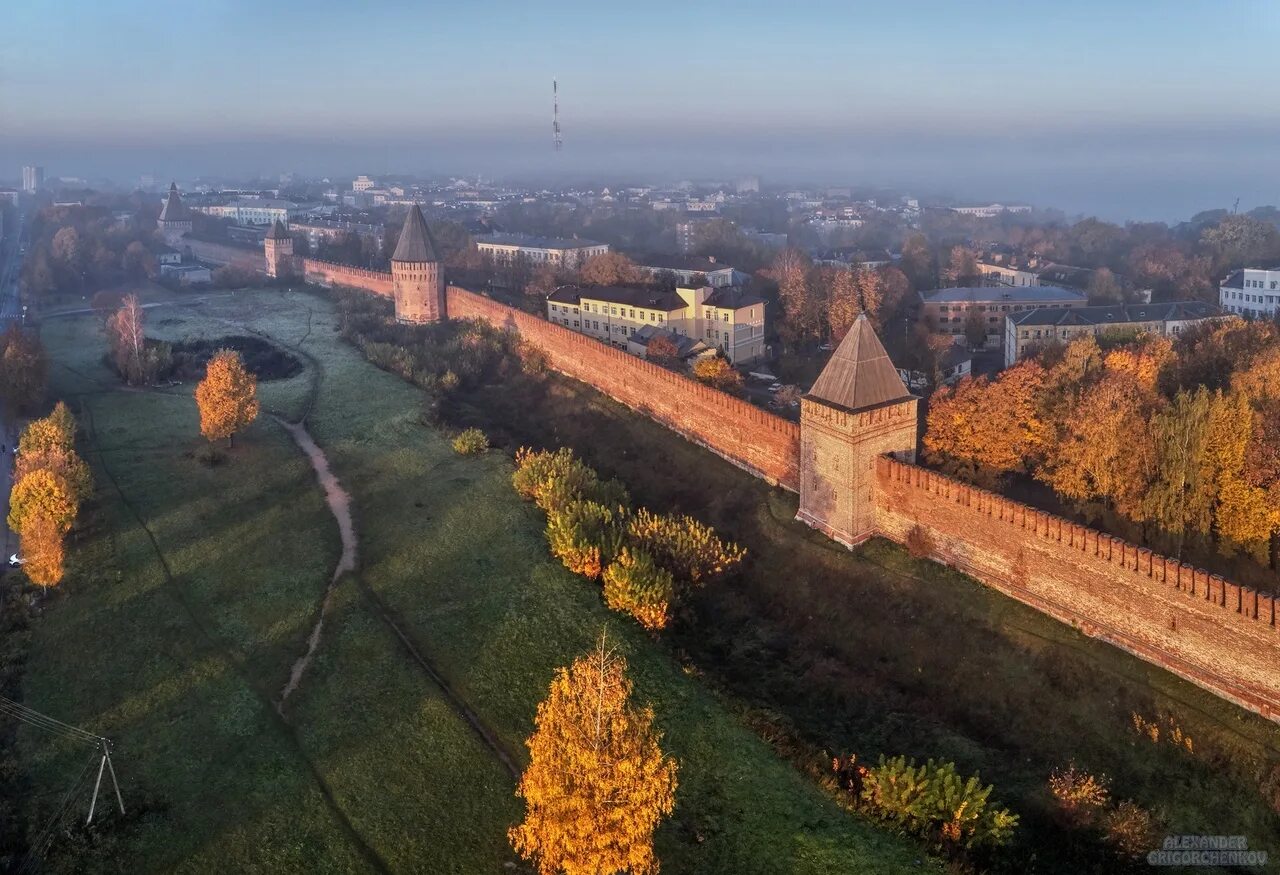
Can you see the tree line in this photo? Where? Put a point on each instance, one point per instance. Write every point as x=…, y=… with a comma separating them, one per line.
x=1180, y=438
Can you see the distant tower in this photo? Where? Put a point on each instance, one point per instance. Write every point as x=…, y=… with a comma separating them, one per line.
x=416, y=273
x=555, y=113
x=278, y=246
x=858, y=409
x=175, y=220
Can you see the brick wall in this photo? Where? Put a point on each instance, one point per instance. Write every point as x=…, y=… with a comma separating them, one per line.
x=766, y=445
x=1213, y=632
x=220, y=253
x=327, y=273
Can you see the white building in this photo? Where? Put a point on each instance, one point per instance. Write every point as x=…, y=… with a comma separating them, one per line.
x=254, y=211
x=1252, y=292
x=1008, y=274
x=32, y=178
x=726, y=318
x=991, y=210
x=363, y=183
x=506, y=248
x=687, y=267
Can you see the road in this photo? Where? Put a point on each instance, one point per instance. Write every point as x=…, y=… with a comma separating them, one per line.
x=12, y=250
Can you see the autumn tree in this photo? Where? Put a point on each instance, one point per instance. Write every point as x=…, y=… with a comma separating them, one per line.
x=42, y=493
x=41, y=547
x=227, y=397
x=975, y=327
x=610, y=269
x=962, y=267
x=662, y=350
x=1145, y=359
x=843, y=302
x=543, y=281
x=1104, y=288
x=127, y=340
x=801, y=317
x=24, y=368
x=718, y=373
x=918, y=262
x=598, y=782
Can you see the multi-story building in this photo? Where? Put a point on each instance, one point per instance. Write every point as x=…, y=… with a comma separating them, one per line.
x=1032, y=329
x=1253, y=292
x=363, y=183
x=32, y=178
x=316, y=230
x=991, y=210
x=726, y=318
x=688, y=234
x=948, y=310
x=254, y=211
x=539, y=250
x=1010, y=274
x=687, y=267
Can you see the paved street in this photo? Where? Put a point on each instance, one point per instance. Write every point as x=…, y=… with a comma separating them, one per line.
x=11, y=254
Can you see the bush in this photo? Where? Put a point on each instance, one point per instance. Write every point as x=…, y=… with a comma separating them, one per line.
x=1080, y=795
x=1130, y=829
x=585, y=536
x=688, y=549
x=633, y=584
x=470, y=442
x=552, y=480
x=933, y=802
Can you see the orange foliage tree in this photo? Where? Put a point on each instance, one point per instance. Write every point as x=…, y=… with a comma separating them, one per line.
x=598, y=782
x=718, y=373
x=227, y=397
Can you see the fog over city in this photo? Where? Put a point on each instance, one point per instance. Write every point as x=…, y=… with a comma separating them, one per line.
x=1141, y=112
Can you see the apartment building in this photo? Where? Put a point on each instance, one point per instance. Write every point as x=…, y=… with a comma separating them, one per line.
x=1251, y=292
x=947, y=310
x=686, y=267
x=726, y=319
x=539, y=250
x=1029, y=330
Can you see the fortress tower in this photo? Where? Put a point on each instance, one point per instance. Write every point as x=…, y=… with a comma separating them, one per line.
x=416, y=273
x=175, y=219
x=857, y=410
x=278, y=247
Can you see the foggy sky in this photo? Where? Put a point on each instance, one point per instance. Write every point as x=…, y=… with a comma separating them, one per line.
x=1150, y=110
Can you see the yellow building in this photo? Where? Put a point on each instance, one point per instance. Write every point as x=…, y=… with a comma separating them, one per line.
x=726, y=319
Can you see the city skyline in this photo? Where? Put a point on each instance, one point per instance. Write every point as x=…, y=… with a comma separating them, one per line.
x=1139, y=112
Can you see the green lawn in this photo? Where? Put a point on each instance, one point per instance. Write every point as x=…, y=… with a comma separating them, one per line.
x=370, y=767
x=875, y=653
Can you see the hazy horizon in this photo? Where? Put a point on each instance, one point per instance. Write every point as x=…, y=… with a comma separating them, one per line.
x=1141, y=112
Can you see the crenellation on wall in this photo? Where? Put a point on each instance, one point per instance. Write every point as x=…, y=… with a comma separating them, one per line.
x=764, y=444
x=1215, y=632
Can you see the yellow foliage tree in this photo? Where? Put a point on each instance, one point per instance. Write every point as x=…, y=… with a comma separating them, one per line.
x=49, y=443
x=227, y=396
x=635, y=585
x=717, y=372
x=1144, y=359
x=40, y=545
x=44, y=494
x=598, y=782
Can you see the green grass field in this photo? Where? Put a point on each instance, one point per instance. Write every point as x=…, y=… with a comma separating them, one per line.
x=192, y=590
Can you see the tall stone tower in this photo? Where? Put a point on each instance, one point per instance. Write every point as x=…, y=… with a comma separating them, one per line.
x=417, y=276
x=858, y=409
x=278, y=248
x=175, y=219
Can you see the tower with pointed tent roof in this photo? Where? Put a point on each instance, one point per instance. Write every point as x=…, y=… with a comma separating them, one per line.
x=278, y=248
x=175, y=219
x=857, y=410
x=417, y=275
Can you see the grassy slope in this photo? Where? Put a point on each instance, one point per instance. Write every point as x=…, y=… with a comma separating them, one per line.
x=182, y=674
x=875, y=653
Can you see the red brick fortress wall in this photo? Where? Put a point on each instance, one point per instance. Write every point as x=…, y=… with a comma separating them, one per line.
x=766, y=445
x=327, y=273
x=1211, y=631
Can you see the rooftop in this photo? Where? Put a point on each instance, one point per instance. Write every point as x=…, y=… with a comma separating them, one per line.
x=174, y=210
x=730, y=298
x=533, y=241
x=415, y=242
x=1236, y=279
x=695, y=263
x=859, y=374
x=1117, y=314
x=631, y=296
x=1014, y=294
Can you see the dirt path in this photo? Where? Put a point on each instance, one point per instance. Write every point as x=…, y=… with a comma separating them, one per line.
x=340, y=505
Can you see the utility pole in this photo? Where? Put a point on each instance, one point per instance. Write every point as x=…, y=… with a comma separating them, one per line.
x=105, y=763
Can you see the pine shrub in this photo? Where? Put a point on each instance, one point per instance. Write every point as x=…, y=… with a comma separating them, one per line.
x=635, y=585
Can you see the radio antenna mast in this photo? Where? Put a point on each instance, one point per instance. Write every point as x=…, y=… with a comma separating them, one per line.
x=555, y=114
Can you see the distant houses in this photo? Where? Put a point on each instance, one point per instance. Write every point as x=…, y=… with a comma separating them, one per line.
x=950, y=310
x=535, y=250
